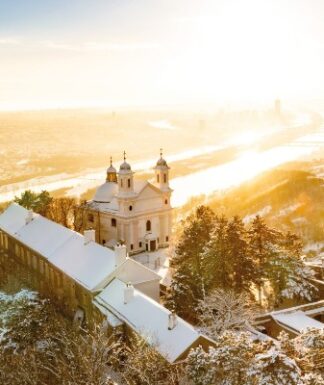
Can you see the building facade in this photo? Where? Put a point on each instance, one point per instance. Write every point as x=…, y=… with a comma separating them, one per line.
x=134, y=212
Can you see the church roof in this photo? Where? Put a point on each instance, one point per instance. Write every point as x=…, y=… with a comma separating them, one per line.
x=106, y=192
x=162, y=162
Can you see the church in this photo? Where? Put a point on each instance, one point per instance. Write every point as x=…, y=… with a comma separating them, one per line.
x=133, y=212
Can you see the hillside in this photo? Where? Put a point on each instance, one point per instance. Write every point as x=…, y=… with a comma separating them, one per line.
x=288, y=199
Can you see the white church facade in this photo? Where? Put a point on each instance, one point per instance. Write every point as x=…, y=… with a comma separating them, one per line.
x=135, y=212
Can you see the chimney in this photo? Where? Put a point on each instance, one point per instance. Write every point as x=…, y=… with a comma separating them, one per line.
x=128, y=293
x=120, y=254
x=89, y=236
x=29, y=216
x=172, y=320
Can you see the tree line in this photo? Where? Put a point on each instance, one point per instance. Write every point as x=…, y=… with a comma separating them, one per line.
x=63, y=210
x=215, y=252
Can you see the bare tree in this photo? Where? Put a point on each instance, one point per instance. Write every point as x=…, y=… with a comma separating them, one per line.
x=225, y=310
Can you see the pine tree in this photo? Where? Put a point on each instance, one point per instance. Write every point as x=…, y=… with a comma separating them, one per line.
x=188, y=283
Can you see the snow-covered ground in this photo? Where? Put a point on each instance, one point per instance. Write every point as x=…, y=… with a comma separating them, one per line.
x=10, y=305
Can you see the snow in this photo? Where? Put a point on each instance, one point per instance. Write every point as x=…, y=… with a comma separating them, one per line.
x=264, y=211
x=11, y=305
x=13, y=218
x=315, y=246
x=112, y=320
x=157, y=261
x=300, y=221
x=288, y=209
x=89, y=264
x=43, y=235
x=135, y=272
x=149, y=319
x=298, y=321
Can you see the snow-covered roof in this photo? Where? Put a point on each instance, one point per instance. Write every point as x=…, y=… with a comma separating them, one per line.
x=43, y=235
x=104, y=206
x=13, y=218
x=134, y=272
x=90, y=264
x=106, y=192
x=297, y=321
x=150, y=320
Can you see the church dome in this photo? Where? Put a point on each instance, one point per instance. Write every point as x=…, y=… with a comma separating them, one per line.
x=111, y=170
x=125, y=166
x=161, y=162
x=106, y=192
x=111, y=173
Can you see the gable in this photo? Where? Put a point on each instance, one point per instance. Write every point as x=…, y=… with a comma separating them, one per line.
x=149, y=192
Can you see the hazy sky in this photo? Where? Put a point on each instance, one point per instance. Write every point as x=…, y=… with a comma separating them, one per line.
x=138, y=52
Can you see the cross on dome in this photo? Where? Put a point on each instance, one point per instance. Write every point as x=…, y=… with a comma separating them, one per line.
x=125, y=166
x=161, y=161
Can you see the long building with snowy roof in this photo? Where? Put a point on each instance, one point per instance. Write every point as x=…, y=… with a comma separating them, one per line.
x=90, y=282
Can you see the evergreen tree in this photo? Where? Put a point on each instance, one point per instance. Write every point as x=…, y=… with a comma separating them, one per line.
x=238, y=359
x=188, y=284
x=33, y=201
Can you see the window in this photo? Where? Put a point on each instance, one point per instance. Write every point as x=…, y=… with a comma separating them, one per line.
x=140, y=244
x=128, y=182
x=113, y=222
x=132, y=246
x=158, y=178
x=148, y=226
x=130, y=208
x=90, y=218
x=167, y=238
x=165, y=178
x=121, y=183
x=166, y=201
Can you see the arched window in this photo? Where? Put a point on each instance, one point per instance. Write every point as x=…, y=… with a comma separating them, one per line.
x=90, y=217
x=129, y=183
x=165, y=178
x=166, y=201
x=113, y=222
x=130, y=208
x=158, y=178
x=121, y=183
x=148, y=226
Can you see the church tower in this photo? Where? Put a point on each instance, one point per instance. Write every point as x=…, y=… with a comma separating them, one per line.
x=125, y=179
x=162, y=173
x=111, y=173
